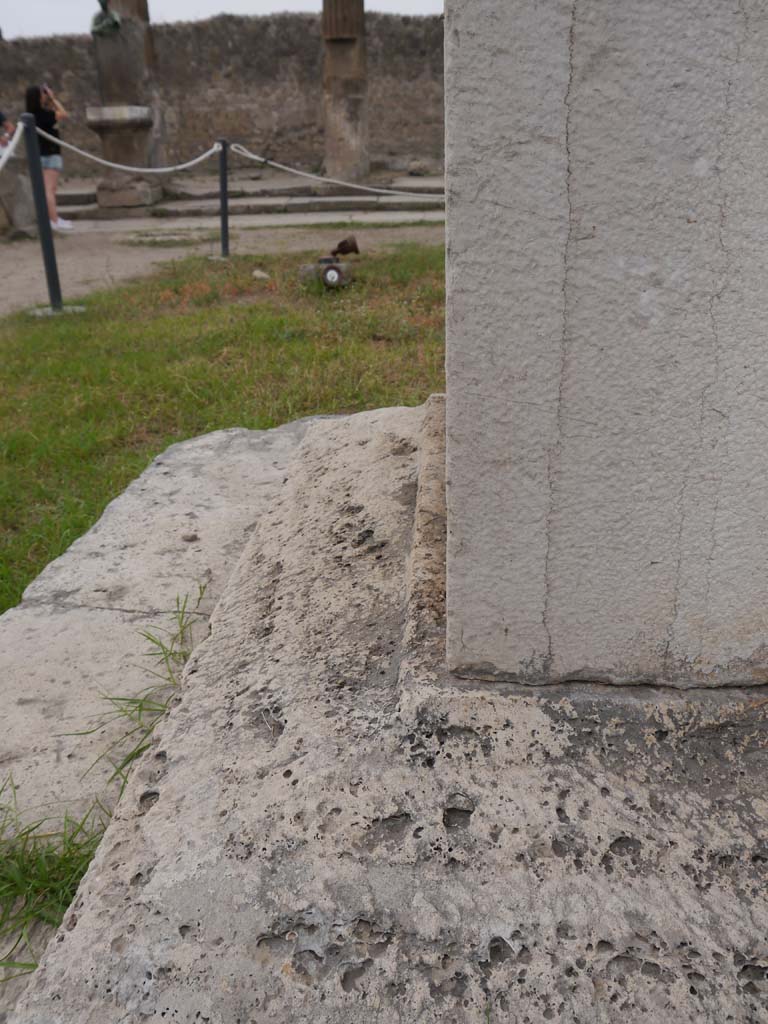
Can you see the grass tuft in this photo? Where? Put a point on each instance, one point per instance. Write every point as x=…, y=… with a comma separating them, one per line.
x=40, y=870
x=169, y=649
x=41, y=866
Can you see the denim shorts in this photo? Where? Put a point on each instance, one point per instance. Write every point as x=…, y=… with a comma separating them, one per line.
x=52, y=163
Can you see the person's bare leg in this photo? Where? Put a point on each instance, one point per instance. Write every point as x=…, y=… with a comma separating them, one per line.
x=51, y=179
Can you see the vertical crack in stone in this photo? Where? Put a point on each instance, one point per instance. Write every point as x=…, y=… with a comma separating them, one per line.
x=553, y=458
x=714, y=298
x=721, y=276
x=678, y=577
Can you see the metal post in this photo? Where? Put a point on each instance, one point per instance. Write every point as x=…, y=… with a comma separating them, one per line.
x=41, y=209
x=224, y=197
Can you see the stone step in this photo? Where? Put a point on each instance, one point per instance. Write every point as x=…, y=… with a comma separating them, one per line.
x=264, y=205
x=297, y=204
x=76, y=196
x=179, y=190
x=275, y=187
x=70, y=197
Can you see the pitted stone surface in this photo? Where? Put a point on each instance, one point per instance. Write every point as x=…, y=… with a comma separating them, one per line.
x=77, y=635
x=607, y=371
x=331, y=830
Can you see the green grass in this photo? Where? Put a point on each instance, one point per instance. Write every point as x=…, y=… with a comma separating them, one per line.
x=40, y=870
x=140, y=713
x=86, y=402
x=41, y=864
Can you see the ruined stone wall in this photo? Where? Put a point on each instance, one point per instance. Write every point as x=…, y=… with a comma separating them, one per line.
x=256, y=80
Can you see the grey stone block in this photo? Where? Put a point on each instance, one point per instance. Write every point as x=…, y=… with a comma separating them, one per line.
x=122, y=191
x=17, y=207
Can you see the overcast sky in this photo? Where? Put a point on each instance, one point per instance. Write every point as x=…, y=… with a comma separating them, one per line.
x=49, y=17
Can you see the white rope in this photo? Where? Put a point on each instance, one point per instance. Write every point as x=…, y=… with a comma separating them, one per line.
x=10, y=149
x=123, y=167
x=242, y=151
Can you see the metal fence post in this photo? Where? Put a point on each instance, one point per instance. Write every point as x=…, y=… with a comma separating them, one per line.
x=224, y=197
x=41, y=210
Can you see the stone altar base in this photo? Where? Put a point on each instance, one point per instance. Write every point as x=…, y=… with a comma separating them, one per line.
x=125, y=133
x=330, y=829
x=127, y=191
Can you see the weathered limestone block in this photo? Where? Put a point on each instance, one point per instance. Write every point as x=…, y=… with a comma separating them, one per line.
x=77, y=635
x=330, y=829
x=607, y=359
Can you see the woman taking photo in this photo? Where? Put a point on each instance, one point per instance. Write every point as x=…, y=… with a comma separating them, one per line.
x=48, y=113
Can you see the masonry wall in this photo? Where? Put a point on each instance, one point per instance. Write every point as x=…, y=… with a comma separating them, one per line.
x=255, y=80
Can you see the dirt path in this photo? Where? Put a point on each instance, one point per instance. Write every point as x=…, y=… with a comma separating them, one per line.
x=101, y=254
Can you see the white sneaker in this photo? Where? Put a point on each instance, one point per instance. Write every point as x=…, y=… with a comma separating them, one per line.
x=61, y=224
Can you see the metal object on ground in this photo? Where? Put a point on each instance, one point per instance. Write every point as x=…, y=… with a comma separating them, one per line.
x=333, y=276
x=330, y=269
x=333, y=273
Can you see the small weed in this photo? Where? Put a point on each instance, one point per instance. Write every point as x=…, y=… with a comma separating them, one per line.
x=143, y=711
x=40, y=870
x=41, y=866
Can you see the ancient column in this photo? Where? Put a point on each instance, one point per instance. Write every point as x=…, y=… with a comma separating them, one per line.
x=128, y=118
x=608, y=341
x=345, y=90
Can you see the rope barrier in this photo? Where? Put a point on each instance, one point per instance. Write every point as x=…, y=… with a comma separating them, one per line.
x=242, y=151
x=215, y=148
x=10, y=149
x=32, y=133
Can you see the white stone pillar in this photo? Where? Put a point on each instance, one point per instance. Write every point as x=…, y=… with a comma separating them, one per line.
x=607, y=166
